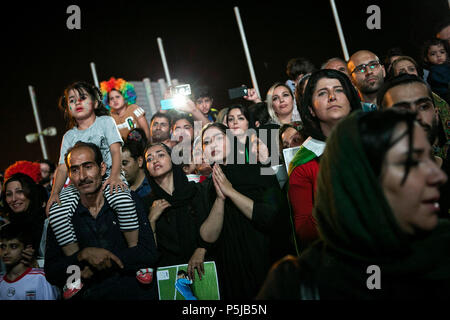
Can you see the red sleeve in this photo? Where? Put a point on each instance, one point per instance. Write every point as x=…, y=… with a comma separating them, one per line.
x=302, y=186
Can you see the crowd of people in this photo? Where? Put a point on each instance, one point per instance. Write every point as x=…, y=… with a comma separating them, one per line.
x=367, y=185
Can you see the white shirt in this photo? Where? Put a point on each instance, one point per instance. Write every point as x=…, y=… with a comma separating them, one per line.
x=31, y=285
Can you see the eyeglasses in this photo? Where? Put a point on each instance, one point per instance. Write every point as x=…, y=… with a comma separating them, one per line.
x=363, y=67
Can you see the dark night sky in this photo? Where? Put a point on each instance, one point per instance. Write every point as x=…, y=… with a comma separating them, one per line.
x=201, y=42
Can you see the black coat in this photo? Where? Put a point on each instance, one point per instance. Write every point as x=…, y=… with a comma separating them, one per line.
x=243, y=250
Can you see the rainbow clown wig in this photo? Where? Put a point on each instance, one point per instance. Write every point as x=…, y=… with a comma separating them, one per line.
x=125, y=88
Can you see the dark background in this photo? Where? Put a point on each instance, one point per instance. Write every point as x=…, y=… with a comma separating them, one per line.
x=201, y=41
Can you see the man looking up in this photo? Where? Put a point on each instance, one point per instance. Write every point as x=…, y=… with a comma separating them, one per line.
x=367, y=74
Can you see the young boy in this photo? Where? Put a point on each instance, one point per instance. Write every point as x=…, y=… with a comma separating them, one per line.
x=183, y=285
x=21, y=282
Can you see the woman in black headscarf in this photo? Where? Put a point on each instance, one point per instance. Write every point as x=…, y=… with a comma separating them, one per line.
x=241, y=203
x=172, y=216
x=376, y=209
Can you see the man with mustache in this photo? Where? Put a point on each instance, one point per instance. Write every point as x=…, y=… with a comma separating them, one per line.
x=107, y=265
x=367, y=74
x=161, y=129
x=412, y=93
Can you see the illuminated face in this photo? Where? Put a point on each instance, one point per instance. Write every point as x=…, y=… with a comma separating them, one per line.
x=339, y=66
x=204, y=104
x=183, y=129
x=237, y=122
x=81, y=106
x=291, y=138
x=116, y=100
x=366, y=71
x=282, y=100
x=158, y=161
x=84, y=172
x=405, y=66
x=16, y=198
x=11, y=252
x=414, y=97
x=215, y=145
x=131, y=167
x=160, y=129
x=415, y=202
x=330, y=102
x=437, y=54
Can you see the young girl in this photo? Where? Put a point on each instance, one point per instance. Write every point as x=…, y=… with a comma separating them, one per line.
x=120, y=97
x=436, y=59
x=89, y=122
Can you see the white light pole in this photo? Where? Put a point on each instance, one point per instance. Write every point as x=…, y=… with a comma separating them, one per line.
x=49, y=131
x=164, y=61
x=339, y=29
x=247, y=52
x=94, y=75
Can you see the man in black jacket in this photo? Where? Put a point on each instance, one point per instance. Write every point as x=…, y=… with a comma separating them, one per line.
x=106, y=265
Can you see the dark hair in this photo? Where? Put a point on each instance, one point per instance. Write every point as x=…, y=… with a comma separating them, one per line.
x=135, y=149
x=152, y=144
x=397, y=81
x=312, y=124
x=258, y=112
x=181, y=272
x=297, y=125
x=433, y=42
x=21, y=231
x=92, y=91
x=162, y=115
x=50, y=164
x=80, y=144
x=376, y=130
x=391, y=73
x=243, y=110
x=298, y=66
x=300, y=88
x=201, y=92
x=34, y=192
x=223, y=128
x=185, y=116
x=392, y=52
x=137, y=135
x=442, y=24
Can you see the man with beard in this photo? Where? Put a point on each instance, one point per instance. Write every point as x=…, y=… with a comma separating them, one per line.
x=47, y=172
x=161, y=129
x=412, y=93
x=367, y=74
x=133, y=165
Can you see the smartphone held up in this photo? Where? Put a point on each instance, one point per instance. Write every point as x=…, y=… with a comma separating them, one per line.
x=179, y=94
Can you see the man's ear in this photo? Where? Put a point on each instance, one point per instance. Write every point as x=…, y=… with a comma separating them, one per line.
x=140, y=161
x=257, y=124
x=103, y=168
